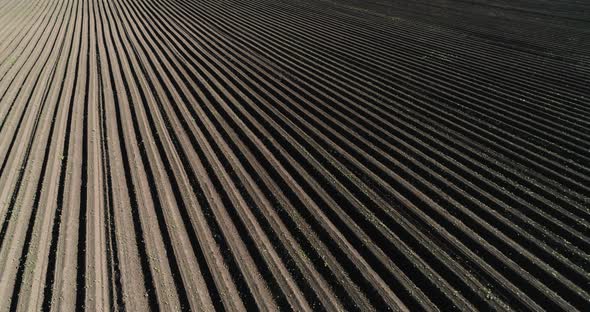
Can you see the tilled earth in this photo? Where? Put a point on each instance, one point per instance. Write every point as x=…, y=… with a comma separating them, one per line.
x=304, y=155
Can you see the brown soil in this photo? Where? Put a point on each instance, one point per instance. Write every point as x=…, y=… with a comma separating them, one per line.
x=294, y=155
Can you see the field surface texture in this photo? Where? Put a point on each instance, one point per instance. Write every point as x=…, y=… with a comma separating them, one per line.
x=234, y=155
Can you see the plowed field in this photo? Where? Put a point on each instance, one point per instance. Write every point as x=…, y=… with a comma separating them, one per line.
x=303, y=155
